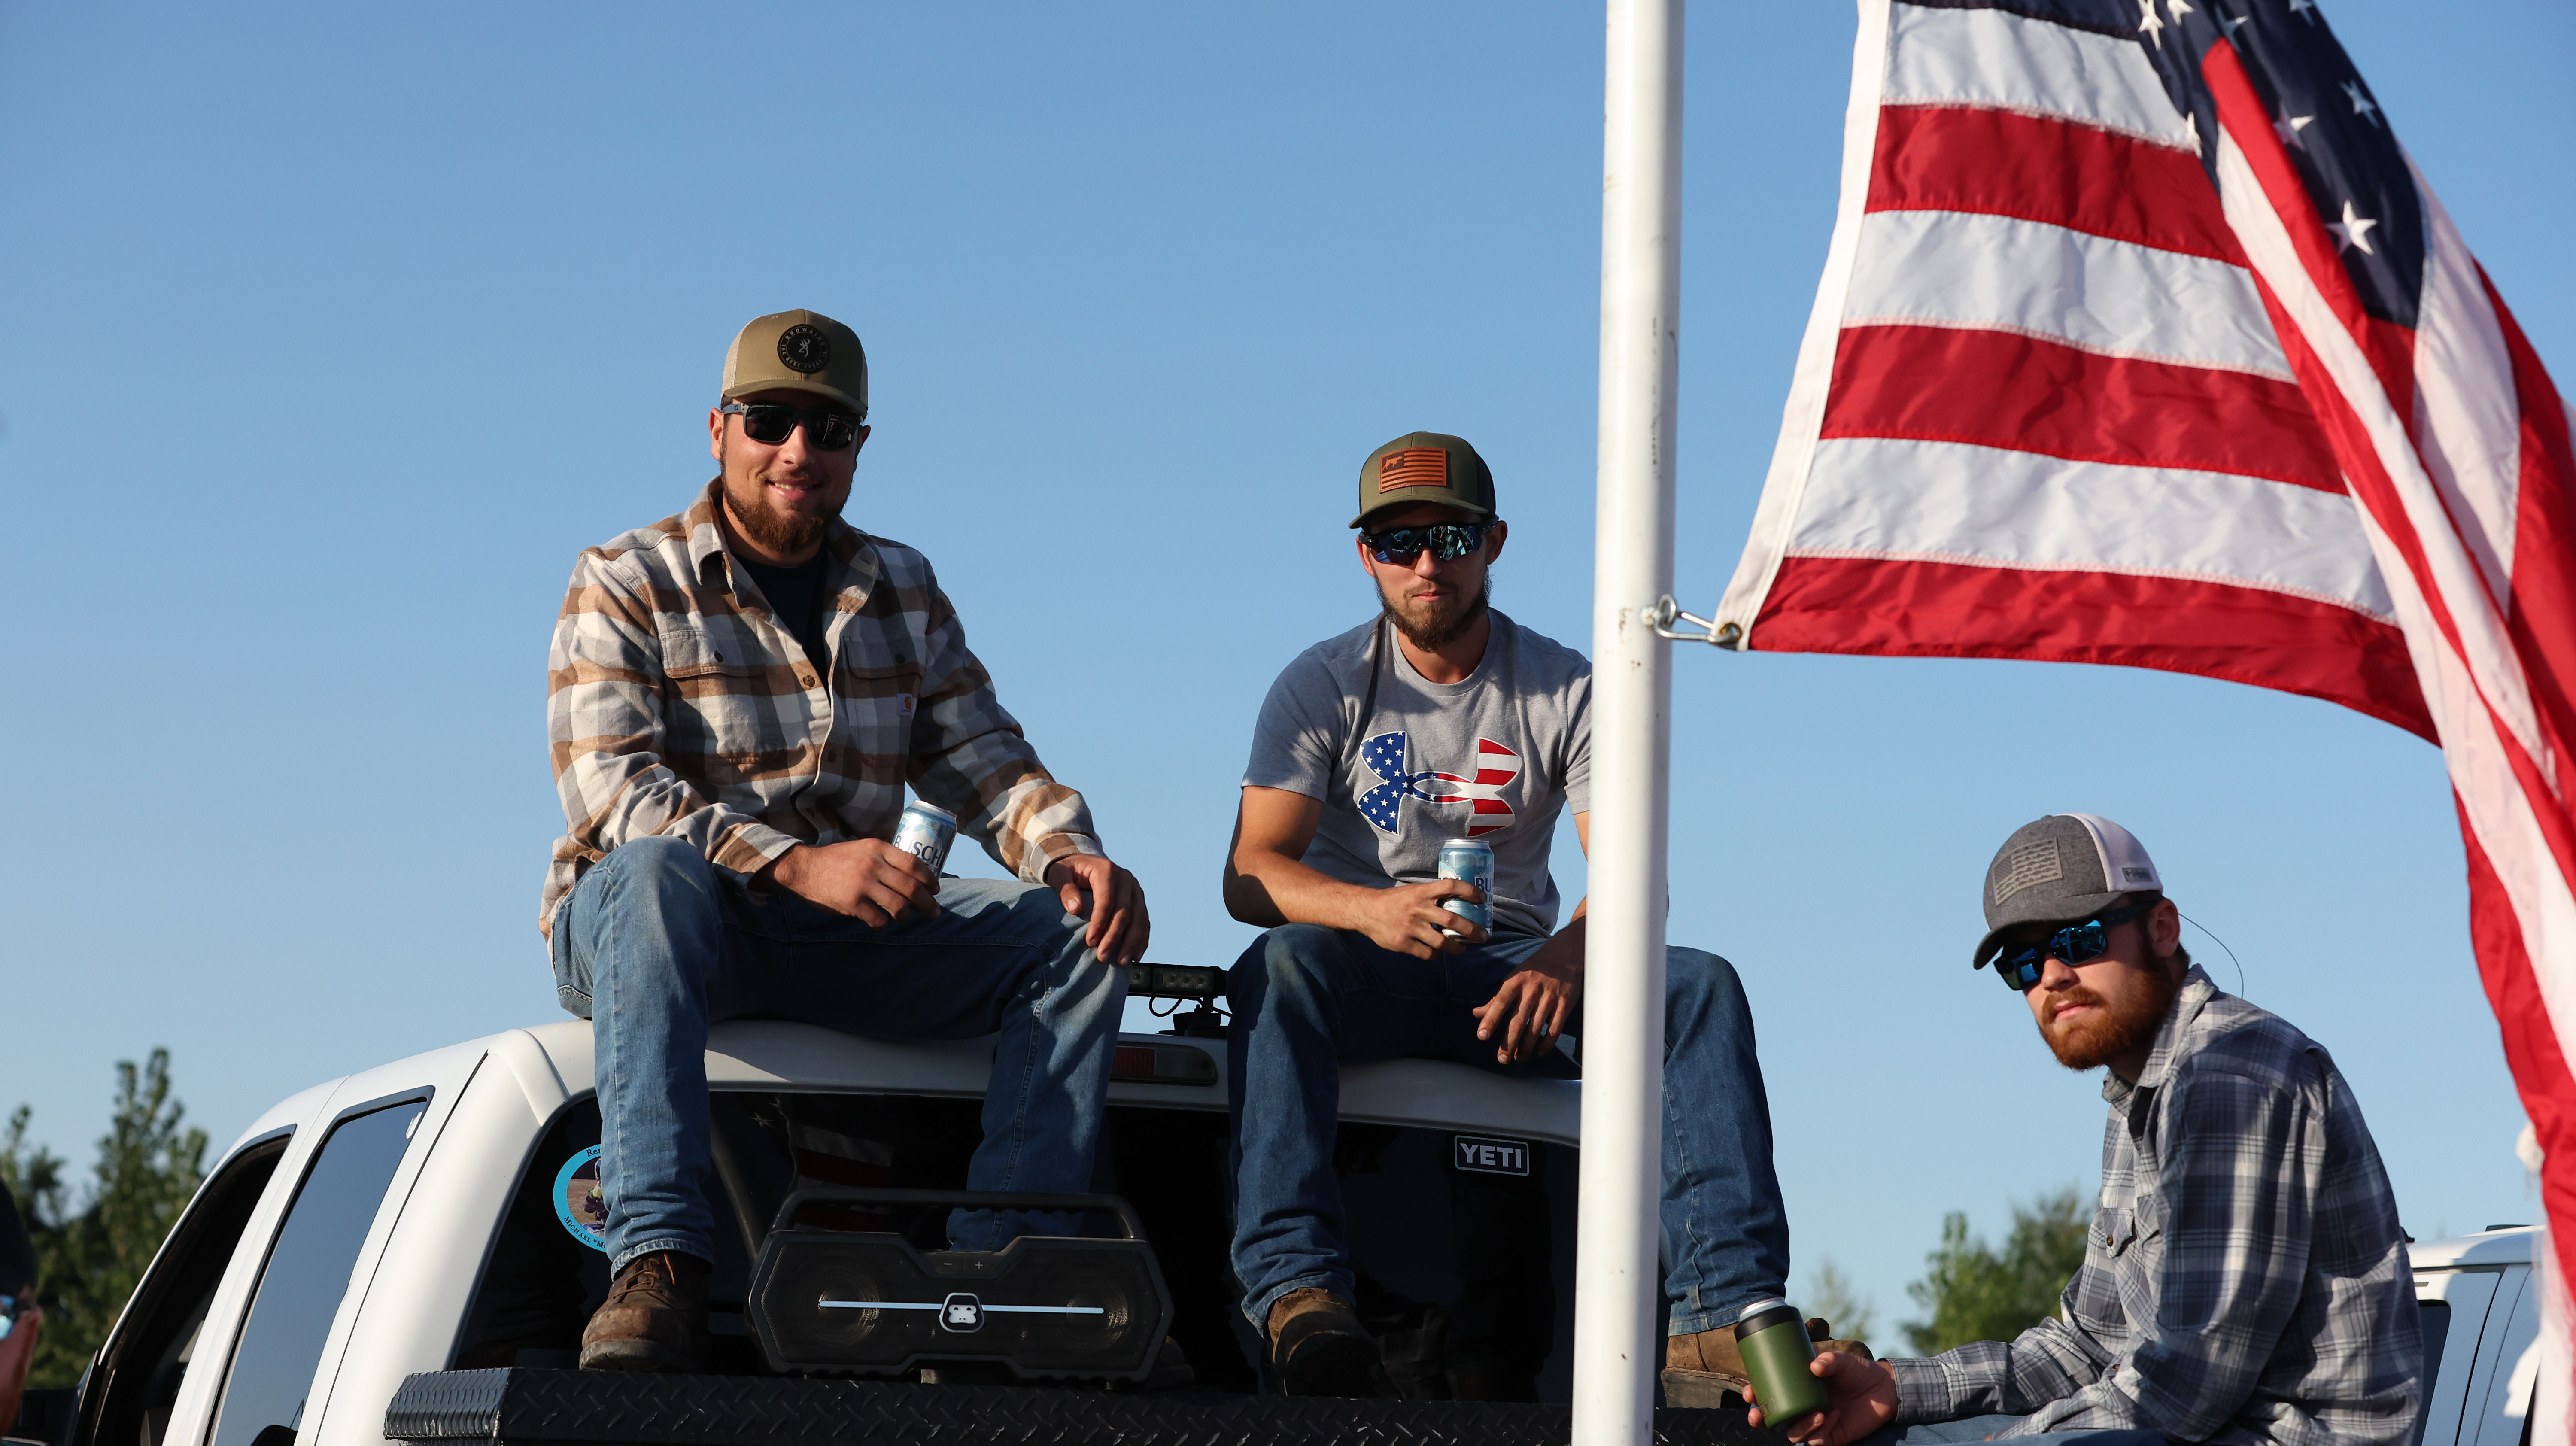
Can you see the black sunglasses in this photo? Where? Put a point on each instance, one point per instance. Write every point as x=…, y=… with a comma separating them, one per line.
x=2076, y=944
x=1448, y=541
x=770, y=423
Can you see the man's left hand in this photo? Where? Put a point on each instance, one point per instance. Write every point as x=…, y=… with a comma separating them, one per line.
x=1095, y=889
x=1533, y=1005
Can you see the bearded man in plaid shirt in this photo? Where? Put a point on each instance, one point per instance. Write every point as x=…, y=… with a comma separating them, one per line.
x=738, y=696
x=2245, y=1280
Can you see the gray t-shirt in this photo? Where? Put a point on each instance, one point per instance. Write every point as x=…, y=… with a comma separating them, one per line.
x=1496, y=757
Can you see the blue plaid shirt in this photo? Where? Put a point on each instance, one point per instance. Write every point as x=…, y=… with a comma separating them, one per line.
x=2245, y=1280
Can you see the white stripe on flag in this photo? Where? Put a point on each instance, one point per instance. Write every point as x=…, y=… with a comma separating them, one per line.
x=2498, y=810
x=2468, y=422
x=1963, y=503
x=1952, y=268
x=1990, y=58
x=2484, y=646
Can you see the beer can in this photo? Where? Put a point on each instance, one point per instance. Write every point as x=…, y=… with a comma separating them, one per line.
x=1469, y=860
x=925, y=831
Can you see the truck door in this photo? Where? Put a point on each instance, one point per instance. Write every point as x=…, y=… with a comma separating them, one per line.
x=262, y=1398
x=2454, y=1310
x=2511, y=1364
x=137, y=1375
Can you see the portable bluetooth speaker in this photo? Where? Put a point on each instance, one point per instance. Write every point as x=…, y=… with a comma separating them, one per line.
x=869, y=1303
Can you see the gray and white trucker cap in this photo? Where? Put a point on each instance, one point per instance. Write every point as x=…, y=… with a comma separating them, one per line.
x=2060, y=869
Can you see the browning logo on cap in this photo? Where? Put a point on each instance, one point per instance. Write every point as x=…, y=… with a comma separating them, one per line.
x=1413, y=467
x=804, y=347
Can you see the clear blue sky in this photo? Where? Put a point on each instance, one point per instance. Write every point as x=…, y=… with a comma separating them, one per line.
x=329, y=334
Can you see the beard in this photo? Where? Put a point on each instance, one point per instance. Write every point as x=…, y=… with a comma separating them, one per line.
x=2113, y=1032
x=1442, y=622
x=748, y=506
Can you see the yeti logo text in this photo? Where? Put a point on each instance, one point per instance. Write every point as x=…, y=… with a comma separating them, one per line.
x=1496, y=768
x=1487, y=1156
x=961, y=1313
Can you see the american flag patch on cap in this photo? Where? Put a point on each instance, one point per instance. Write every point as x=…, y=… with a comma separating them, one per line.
x=1413, y=467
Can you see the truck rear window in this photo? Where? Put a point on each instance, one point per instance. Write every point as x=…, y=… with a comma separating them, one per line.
x=1464, y=1244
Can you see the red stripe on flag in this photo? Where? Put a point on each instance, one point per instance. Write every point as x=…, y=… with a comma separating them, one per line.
x=2391, y=349
x=2540, y=1074
x=1997, y=163
x=1955, y=610
x=2002, y=389
x=2542, y=615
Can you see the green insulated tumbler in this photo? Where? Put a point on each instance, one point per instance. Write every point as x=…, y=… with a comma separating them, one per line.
x=1772, y=1338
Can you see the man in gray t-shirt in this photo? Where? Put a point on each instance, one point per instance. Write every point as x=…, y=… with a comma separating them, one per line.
x=1444, y=719
x=1403, y=764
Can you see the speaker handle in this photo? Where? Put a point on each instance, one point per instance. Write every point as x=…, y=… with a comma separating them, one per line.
x=971, y=1199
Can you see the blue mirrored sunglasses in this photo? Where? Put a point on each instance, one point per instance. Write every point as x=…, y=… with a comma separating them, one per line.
x=1448, y=541
x=2083, y=943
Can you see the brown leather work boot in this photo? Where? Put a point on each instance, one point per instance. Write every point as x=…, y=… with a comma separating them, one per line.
x=1320, y=1347
x=655, y=1317
x=1705, y=1370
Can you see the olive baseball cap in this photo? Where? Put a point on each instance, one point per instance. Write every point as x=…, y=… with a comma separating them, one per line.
x=802, y=351
x=2061, y=869
x=1425, y=467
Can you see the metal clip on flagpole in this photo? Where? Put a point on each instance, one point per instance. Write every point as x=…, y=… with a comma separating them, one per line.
x=1666, y=612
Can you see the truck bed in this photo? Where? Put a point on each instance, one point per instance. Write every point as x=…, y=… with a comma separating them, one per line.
x=526, y=1407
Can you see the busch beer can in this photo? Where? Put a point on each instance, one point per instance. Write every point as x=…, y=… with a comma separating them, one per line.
x=1469, y=860
x=925, y=831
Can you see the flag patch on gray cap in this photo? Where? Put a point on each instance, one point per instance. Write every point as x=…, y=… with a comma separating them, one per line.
x=2035, y=862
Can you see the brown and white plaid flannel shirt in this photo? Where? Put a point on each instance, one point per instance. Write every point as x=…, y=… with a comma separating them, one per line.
x=677, y=704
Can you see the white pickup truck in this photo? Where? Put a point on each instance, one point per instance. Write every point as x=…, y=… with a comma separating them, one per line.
x=428, y=1216
x=416, y=1218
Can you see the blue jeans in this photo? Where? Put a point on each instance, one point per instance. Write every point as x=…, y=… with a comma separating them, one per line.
x=1985, y=1428
x=656, y=943
x=1308, y=999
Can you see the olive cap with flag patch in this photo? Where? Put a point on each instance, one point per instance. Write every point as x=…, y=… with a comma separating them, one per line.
x=799, y=351
x=1425, y=467
x=2062, y=869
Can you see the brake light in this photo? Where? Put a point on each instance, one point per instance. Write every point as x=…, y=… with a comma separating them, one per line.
x=1162, y=1064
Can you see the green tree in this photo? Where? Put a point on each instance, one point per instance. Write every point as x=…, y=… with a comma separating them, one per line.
x=88, y=1261
x=1975, y=1293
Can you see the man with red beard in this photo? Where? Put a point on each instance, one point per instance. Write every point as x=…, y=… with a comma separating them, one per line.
x=2245, y=1280
x=738, y=695
x=1440, y=718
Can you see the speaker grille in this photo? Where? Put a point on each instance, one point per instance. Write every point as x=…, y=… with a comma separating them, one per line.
x=1044, y=1305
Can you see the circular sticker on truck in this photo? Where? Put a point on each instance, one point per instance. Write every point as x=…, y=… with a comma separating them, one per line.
x=578, y=1201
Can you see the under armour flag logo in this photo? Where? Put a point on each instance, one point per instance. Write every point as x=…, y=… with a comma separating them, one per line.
x=1413, y=467
x=1496, y=767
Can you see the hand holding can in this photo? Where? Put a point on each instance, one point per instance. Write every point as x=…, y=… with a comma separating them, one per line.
x=1469, y=861
x=925, y=832
x=1778, y=1358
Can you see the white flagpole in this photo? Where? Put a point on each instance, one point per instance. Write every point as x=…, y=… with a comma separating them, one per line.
x=1618, y=1291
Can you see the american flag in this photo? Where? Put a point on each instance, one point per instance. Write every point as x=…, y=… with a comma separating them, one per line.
x=2142, y=341
x=1413, y=467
